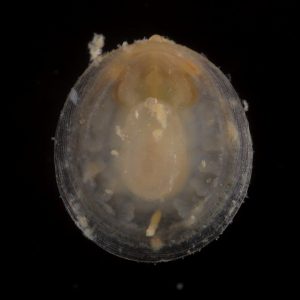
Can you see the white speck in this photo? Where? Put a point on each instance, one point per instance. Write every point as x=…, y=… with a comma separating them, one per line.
x=74, y=96
x=88, y=232
x=95, y=47
x=158, y=110
x=136, y=113
x=120, y=133
x=231, y=210
x=109, y=192
x=179, y=286
x=83, y=221
x=125, y=47
x=114, y=153
x=191, y=220
x=245, y=105
x=75, y=206
x=202, y=165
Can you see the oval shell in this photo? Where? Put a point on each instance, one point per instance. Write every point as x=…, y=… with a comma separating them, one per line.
x=153, y=153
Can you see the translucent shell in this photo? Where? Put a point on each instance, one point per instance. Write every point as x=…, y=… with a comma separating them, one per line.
x=153, y=153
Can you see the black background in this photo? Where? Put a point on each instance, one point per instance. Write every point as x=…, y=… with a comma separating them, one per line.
x=252, y=43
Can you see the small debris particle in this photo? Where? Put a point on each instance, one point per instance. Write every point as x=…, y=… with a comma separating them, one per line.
x=109, y=192
x=158, y=110
x=126, y=47
x=120, y=133
x=191, y=221
x=245, y=105
x=160, y=39
x=203, y=163
x=74, y=96
x=156, y=243
x=179, y=286
x=88, y=232
x=83, y=221
x=114, y=153
x=153, y=225
x=95, y=46
x=136, y=113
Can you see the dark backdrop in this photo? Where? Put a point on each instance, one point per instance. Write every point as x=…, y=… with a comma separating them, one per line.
x=255, y=45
